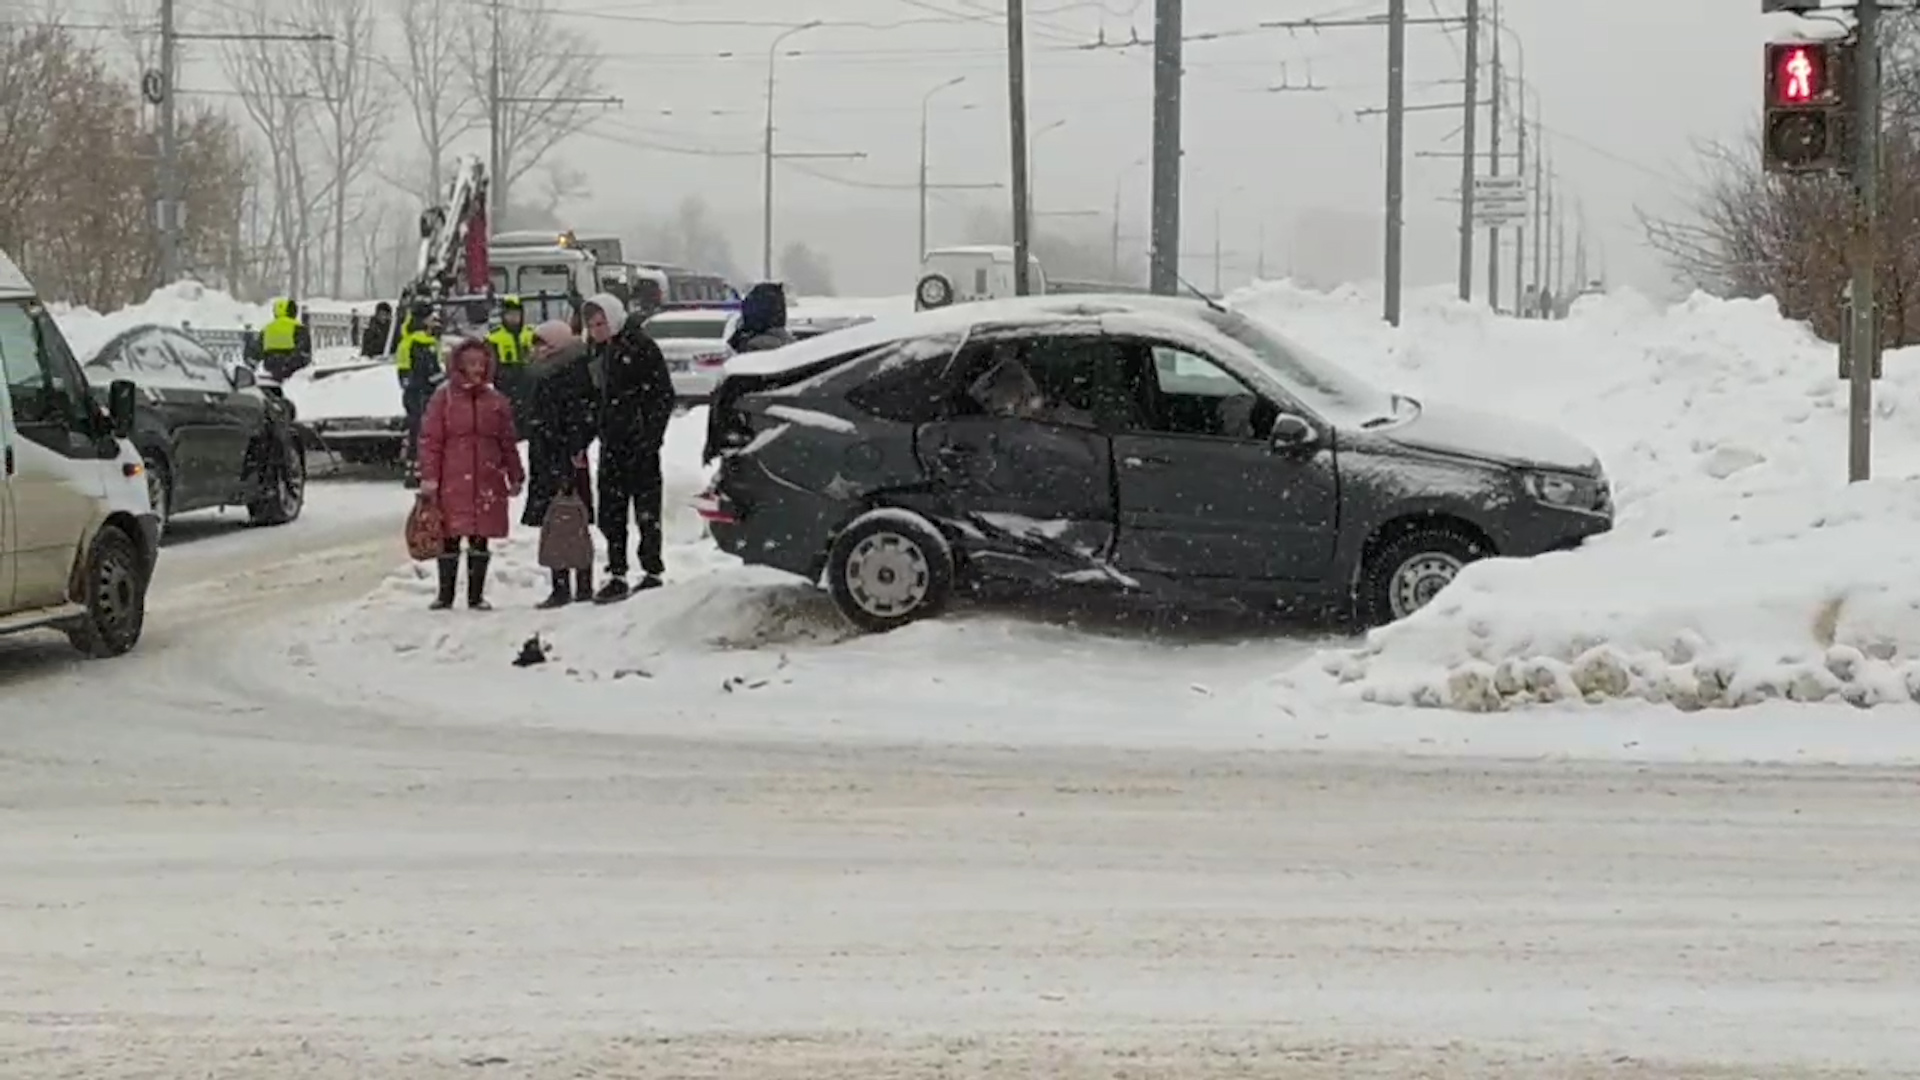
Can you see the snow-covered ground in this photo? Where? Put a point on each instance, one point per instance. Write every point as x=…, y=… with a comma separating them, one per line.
x=310, y=829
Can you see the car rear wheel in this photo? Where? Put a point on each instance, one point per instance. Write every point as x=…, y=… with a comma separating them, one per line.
x=1404, y=574
x=886, y=571
x=286, y=492
x=114, y=591
x=934, y=291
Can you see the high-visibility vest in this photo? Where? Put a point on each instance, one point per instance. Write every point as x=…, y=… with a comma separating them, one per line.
x=403, y=353
x=282, y=335
x=512, y=349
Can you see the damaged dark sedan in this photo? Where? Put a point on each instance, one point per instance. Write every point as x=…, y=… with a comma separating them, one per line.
x=1165, y=448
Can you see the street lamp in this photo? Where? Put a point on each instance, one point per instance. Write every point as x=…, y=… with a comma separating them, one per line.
x=766, y=209
x=926, y=100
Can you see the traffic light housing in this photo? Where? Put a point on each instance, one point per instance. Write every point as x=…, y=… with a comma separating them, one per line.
x=1808, y=106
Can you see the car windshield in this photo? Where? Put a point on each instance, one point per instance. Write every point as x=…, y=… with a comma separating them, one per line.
x=1323, y=385
x=681, y=328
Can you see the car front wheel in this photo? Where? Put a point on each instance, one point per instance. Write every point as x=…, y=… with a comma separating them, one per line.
x=889, y=569
x=285, y=493
x=1404, y=574
x=115, y=595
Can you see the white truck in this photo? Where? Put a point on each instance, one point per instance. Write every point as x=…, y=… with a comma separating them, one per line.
x=78, y=539
x=956, y=275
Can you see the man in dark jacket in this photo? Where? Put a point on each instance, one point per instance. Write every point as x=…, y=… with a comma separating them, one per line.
x=763, y=319
x=636, y=402
x=373, y=339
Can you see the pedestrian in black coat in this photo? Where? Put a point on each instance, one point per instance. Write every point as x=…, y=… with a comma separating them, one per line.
x=636, y=402
x=373, y=337
x=560, y=422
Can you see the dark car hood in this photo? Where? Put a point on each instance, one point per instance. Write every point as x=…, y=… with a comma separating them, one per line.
x=1470, y=433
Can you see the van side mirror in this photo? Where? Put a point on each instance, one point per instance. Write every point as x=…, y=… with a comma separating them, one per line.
x=1291, y=432
x=242, y=377
x=122, y=398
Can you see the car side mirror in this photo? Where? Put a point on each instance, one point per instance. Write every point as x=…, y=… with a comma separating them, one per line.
x=1291, y=432
x=122, y=398
x=242, y=377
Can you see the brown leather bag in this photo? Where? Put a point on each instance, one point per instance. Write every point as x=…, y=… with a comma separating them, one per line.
x=426, y=531
x=565, y=541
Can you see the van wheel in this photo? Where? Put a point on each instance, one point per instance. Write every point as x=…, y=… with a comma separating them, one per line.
x=888, y=570
x=1402, y=575
x=283, y=500
x=159, y=489
x=934, y=291
x=115, y=594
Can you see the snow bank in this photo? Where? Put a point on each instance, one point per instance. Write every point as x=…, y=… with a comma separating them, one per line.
x=185, y=303
x=1741, y=568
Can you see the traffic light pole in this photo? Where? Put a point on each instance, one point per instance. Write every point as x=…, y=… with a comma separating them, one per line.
x=1863, y=244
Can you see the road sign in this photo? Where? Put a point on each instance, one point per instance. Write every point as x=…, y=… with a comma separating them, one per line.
x=1495, y=214
x=1486, y=188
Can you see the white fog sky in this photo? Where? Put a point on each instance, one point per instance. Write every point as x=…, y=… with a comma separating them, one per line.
x=1626, y=87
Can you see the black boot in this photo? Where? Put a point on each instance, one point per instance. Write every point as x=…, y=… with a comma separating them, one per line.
x=583, y=585
x=614, y=591
x=477, y=580
x=561, y=596
x=449, y=580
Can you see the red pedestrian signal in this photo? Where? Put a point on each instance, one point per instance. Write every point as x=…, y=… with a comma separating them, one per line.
x=1799, y=74
x=1806, y=103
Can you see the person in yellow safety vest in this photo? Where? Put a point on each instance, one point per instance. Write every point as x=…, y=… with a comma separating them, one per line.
x=513, y=341
x=285, y=346
x=512, y=350
x=416, y=360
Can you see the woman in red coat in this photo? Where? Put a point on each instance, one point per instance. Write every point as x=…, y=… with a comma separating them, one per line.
x=469, y=467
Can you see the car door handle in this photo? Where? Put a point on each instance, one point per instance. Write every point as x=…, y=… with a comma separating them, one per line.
x=1145, y=462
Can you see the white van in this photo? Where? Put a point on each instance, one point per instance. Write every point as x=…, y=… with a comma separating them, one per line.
x=957, y=275
x=78, y=539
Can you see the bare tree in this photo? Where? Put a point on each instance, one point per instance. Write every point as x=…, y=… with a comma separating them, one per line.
x=438, y=90
x=276, y=98
x=545, y=73
x=355, y=109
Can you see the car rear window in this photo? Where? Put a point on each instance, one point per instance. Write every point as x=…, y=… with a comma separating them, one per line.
x=682, y=328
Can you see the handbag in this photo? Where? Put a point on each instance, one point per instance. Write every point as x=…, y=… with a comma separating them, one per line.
x=426, y=531
x=565, y=541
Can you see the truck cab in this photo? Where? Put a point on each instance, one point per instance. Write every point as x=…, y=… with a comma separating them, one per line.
x=78, y=538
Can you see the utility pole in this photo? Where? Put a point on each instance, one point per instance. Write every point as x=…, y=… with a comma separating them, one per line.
x=1493, y=166
x=925, y=101
x=1168, y=50
x=1546, y=271
x=1113, y=265
x=1017, y=132
x=768, y=156
x=1520, y=230
x=1539, y=202
x=1470, y=113
x=1396, y=155
x=496, y=167
x=1863, y=243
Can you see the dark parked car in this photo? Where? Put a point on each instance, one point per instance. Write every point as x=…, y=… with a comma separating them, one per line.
x=210, y=436
x=1148, y=445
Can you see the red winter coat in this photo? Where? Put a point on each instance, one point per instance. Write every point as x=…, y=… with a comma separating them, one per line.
x=469, y=447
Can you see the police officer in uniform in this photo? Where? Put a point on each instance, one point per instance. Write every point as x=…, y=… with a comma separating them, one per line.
x=416, y=361
x=285, y=345
x=512, y=350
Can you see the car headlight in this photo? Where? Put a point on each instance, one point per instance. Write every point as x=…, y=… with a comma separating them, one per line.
x=1568, y=491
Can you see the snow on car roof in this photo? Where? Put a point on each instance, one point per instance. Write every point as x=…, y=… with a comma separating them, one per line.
x=13, y=282
x=1024, y=310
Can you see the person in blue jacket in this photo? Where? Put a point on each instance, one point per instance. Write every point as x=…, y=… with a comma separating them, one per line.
x=763, y=319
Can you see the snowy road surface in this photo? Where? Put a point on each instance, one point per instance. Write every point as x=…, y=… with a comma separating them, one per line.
x=205, y=874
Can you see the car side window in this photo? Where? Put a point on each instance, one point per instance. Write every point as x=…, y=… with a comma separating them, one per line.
x=907, y=380
x=1048, y=379
x=48, y=396
x=1180, y=392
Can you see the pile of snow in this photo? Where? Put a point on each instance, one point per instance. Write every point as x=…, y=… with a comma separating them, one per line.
x=1741, y=567
x=183, y=304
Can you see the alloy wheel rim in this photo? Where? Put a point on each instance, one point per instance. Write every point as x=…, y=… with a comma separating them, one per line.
x=888, y=575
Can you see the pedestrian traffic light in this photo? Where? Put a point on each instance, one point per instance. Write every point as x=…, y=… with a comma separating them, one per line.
x=1806, y=103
